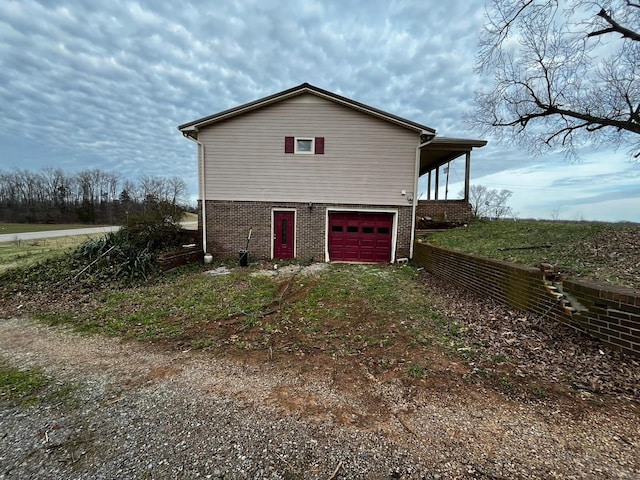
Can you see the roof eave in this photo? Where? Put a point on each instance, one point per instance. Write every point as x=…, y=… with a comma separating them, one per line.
x=449, y=142
x=443, y=150
x=301, y=89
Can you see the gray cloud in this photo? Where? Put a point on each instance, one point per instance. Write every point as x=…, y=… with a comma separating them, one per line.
x=87, y=84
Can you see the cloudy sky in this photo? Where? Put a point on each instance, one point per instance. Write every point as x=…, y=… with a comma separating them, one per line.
x=89, y=84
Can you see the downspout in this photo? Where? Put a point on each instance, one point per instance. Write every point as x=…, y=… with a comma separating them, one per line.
x=201, y=187
x=416, y=175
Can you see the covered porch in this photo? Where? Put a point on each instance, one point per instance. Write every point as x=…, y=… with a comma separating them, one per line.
x=435, y=159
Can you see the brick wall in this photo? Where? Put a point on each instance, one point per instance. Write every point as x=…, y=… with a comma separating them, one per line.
x=229, y=222
x=609, y=313
x=450, y=210
x=180, y=256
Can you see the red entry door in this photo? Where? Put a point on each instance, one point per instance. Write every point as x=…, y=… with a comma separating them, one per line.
x=283, y=234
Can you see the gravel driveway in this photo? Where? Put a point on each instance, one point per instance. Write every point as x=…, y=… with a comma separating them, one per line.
x=146, y=412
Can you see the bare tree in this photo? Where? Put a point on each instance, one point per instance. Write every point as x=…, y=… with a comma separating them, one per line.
x=87, y=185
x=566, y=73
x=486, y=202
x=177, y=190
x=129, y=192
x=152, y=189
x=112, y=181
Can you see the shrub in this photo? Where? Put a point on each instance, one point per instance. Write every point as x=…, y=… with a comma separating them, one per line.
x=155, y=229
x=130, y=253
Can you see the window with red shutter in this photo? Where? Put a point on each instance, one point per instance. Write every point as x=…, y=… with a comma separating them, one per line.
x=304, y=145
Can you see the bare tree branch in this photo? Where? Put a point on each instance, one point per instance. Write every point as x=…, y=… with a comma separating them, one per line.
x=554, y=83
x=615, y=27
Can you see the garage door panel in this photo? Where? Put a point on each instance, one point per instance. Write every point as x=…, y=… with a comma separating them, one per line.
x=360, y=236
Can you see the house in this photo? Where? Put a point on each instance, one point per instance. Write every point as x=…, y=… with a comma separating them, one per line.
x=314, y=176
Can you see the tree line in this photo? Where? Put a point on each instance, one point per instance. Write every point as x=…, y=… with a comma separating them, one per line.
x=89, y=196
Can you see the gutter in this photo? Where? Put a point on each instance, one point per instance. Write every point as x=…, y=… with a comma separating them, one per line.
x=416, y=175
x=201, y=182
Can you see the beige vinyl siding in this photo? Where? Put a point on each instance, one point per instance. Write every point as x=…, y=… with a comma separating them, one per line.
x=366, y=160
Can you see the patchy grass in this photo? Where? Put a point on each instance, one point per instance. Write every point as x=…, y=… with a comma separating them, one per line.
x=28, y=387
x=10, y=228
x=603, y=251
x=539, y=391
x=20, y=386
x=416, y=371
x=189, y=217
x=170, y=309
x=20, y=253
x=44, y=277
x=384, y=321
x=377, y=312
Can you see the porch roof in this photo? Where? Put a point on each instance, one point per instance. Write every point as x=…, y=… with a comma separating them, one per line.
x=444, y=149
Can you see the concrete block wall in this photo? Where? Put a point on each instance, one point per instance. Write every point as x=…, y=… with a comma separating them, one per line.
x=609, y=313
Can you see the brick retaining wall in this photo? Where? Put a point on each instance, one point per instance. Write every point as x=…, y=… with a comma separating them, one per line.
x=609, y=313
x=450, y=210
x=612, y=313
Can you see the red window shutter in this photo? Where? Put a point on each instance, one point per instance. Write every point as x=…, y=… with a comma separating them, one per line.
x=288, y=144
x=319, y=145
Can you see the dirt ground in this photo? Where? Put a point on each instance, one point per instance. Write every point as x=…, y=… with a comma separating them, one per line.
x=564, y=408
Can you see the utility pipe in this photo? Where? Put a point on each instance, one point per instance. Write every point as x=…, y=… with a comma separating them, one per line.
x=201, y=188
x=416, y=175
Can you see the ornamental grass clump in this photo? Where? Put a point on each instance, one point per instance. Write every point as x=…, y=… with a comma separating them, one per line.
x=130, y=253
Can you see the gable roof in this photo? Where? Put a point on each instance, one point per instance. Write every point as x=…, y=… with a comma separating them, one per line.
x=191, y=128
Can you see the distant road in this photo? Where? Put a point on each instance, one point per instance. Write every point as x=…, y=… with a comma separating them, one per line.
x=13, y=237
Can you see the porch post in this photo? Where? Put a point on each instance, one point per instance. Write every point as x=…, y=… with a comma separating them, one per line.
x=467, y=173
x=435, y=197
x=429, y=185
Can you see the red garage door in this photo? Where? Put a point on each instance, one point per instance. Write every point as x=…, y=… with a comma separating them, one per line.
x=360, y=237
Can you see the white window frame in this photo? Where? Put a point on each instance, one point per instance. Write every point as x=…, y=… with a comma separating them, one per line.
x=302, y=152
